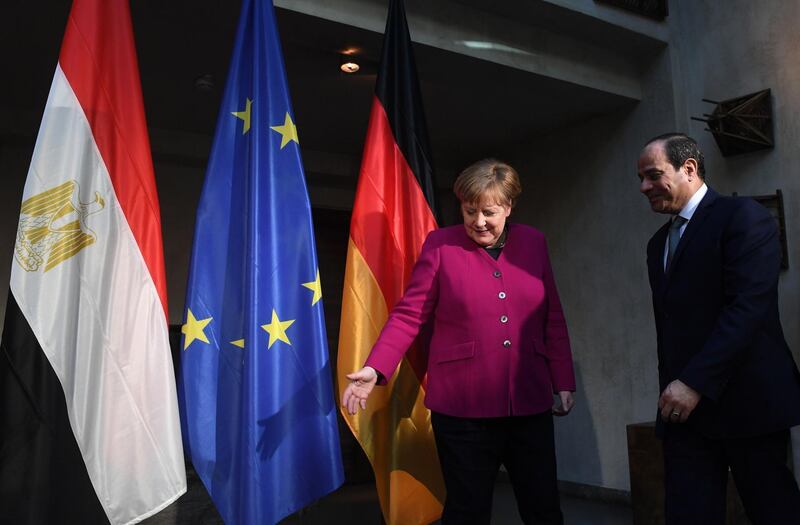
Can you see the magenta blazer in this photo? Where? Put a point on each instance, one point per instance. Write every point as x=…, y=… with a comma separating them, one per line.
x=499, y=343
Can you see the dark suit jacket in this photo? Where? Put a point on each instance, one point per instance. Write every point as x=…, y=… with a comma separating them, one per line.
x=716, y=312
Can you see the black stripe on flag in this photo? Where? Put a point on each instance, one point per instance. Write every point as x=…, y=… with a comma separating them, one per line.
x=397, y=88
x=43, y=478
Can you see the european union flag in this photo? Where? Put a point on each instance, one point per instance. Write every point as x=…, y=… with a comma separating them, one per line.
x=256, y=399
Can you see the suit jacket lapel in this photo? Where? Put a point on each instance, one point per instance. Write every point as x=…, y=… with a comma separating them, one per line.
x=694, y=225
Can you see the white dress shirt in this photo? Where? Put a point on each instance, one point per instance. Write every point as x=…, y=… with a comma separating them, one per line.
x=687, y=212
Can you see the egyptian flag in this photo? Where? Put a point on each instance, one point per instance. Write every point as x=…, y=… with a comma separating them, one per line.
x=392, y=215
x=89, y=428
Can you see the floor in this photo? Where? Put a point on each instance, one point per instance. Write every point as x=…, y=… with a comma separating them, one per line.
x=359, y=504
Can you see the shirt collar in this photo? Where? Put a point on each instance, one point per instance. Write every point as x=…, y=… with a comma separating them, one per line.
x=694, y=202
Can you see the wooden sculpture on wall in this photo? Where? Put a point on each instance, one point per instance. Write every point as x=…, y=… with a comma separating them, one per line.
x=742, y=124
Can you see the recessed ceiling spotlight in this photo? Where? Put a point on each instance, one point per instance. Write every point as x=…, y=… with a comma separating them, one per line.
x=347, y=60
x=349, y=66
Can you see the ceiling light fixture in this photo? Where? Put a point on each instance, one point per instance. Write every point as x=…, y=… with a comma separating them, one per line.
x=348, y=65
x=347, y=62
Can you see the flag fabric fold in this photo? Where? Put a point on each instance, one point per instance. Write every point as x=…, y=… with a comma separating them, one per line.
x=89, y=426
x=255, y=389
x=392, y=214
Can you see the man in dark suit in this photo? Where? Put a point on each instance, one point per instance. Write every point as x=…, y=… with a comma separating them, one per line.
x=730, y=387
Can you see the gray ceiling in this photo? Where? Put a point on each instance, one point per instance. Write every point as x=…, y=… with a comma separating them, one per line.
x=474, y=107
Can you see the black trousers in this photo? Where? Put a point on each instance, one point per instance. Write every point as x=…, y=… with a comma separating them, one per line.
x=471, y=451
x=696, y=477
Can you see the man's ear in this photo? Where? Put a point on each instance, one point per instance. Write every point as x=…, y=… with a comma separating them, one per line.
x=691, y=168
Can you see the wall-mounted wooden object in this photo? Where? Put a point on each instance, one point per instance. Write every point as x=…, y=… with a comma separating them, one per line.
x=742, y=124
x=774, y=204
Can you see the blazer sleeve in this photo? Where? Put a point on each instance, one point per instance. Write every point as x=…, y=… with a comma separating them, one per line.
x=556, y=338
x=750, y=269
x=412, y=311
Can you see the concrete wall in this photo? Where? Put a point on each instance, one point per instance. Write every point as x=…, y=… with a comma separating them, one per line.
x=580, y=187
x=725, y=50
x=722, y=50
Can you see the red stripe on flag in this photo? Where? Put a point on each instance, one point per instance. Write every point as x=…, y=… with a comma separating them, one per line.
x=387, y=196
x=105, y=80
x=391, y=216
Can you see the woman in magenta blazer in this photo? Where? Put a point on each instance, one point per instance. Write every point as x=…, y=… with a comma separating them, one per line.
x=499, y=351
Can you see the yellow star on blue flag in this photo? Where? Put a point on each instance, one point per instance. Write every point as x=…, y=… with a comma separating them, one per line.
x=194, y=329
x=244, y=115
x=316, y=287
x=287, y=130
x=277, y=330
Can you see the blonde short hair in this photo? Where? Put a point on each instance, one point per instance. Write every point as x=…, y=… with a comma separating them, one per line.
x=488, y=177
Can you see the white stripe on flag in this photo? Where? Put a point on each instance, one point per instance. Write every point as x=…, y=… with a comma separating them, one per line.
x=100, y=321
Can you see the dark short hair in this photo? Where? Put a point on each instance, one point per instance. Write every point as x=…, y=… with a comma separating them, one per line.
x=679, y=148
x=488, y=177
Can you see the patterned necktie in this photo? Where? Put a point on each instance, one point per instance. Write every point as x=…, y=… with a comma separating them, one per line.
x=674, y=237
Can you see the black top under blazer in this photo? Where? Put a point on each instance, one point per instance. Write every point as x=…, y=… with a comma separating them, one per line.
x=717, y=321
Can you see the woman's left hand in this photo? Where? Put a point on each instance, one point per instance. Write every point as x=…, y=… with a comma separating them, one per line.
x=567, y=402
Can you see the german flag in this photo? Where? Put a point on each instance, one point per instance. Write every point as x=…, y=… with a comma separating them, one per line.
x=392, y=214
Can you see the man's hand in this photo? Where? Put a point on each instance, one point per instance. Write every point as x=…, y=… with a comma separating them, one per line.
x=677, y=402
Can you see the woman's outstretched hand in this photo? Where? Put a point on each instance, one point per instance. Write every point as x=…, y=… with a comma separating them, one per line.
x=357, y=392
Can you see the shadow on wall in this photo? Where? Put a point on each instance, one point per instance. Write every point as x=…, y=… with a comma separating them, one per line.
x=576, y=441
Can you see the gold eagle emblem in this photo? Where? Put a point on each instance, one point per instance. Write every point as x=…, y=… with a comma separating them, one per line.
x=52, y=227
